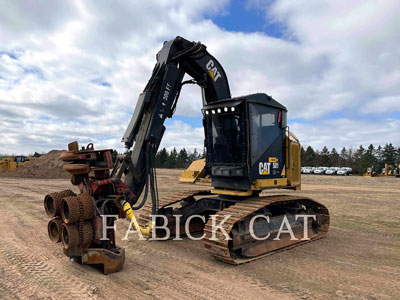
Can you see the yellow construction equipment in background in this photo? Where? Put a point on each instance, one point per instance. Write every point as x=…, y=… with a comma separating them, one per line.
x=370, y=172
x=388, y=170
x=195, y=173
x=9, y=163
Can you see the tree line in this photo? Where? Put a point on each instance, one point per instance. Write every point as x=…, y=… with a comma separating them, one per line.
x=175, y=159
x=359, y=160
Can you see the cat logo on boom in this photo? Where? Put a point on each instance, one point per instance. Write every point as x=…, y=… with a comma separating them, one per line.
x=212, y=69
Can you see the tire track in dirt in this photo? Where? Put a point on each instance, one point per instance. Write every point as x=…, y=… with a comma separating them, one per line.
x=26, y=218
x=14, y=285
x=200, y=276
x=26, y=258
x=164, y=282
x=43, y=274
x=338, y=267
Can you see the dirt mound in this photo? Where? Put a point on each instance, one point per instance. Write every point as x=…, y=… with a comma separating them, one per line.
x=45, y=167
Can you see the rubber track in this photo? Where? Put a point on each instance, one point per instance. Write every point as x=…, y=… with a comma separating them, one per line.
x=219, y=248
x=238, y=211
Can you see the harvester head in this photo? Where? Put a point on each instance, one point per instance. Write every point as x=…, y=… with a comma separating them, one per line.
x=76, y=219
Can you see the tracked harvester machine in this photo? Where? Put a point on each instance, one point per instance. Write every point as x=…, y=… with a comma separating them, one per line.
x=249, y=148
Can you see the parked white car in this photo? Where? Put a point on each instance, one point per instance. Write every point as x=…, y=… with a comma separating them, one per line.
x=307, y=170
x=320, y=170
x=304, y=168
x=331, y=171
x=344, y=171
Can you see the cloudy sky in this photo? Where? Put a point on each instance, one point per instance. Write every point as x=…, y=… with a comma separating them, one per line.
x=73, y=70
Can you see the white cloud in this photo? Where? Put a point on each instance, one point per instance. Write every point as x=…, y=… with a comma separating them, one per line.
x=360, y=41
x=388, y=104
x=180, y=135
x=73, y=70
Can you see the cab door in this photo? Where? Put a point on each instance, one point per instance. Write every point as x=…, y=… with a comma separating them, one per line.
x=267, y=142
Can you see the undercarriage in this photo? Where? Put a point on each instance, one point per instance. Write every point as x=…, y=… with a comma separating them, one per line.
x=308, y=220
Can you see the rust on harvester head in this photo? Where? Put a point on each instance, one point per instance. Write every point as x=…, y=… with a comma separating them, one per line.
x=248, y=148
x=75, y=219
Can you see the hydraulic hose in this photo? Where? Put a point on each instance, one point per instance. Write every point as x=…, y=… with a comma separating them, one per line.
x=139, y=206
x=151, y=182
x=129, y=213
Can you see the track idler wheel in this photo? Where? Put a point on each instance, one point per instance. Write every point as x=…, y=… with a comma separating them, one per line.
x=52, y=202
x=77, y=207
x=54, y=230
x=75, y=235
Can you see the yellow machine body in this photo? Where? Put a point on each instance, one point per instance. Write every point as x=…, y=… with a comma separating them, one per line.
x=388, y=171
x=292, y=177
x=9, y=163
x=195, y=173
x=370, y=172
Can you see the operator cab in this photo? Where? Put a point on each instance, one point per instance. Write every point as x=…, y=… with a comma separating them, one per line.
x=244, y=147
x=21, y=159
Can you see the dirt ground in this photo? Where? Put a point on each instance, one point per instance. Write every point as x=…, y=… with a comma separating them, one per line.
x=359, y=259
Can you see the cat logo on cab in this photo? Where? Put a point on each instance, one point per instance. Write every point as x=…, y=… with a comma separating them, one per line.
x=264, y=168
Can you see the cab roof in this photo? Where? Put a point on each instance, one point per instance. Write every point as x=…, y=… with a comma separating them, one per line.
x=259, y=98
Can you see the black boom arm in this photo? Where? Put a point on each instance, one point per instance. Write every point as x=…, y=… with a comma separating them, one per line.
x=158, y=101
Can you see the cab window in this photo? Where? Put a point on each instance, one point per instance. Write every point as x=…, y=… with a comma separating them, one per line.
x=264, y=129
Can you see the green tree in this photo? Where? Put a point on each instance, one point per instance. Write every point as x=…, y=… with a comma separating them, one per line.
x=182, y=159
x=194, y=156
x=380, y=163
x=356, y=162
x=162, y=158
x=324, y=159
x=303, y=157
x=389, y=154
x=379, y=153
x=172, y=159
x=398, y=156
x=310, y=157
x=334, y=158
x=368, y=159
x=344, y=157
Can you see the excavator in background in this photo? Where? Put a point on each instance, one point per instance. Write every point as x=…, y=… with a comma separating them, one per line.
x=249, y=148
